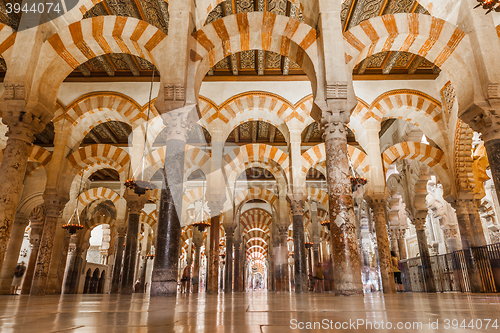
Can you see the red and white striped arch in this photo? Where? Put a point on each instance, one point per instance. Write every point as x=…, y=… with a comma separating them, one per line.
x=7, y=39
x=255, y=193
x=440, y=42
x=99, y=220
x=96, y=166
x=147, y=219
x=257, y=233
x=98, y=193
x=41, y=158
x=256, y=242
x=254, y=31
x=426, y=154
x=256, y=218
x=92, y=154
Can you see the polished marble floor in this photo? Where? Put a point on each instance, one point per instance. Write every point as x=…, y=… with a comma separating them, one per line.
x=250, y=312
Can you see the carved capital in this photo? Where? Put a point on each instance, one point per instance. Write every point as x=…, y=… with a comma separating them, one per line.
x=419, y=222
x=135, y=202
x=22, y=125
x=179, y=122
x=297, y=205
x=484, y=121
x=53, y=203
x=334, y=125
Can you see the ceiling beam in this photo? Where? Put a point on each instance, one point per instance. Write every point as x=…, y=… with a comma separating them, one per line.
x=94, y=136
x=272, y=134
x=122, y=127
x=260, y=60
x=415, y=64
x=42, y=137
x=131, y=64
x=254, y=128
x=84, y=70
x=309, y=132
x=99, y=175
x=390, y=62
x=108, y=68
x=109, y=133
x=164, y=10
x=362, y=66
x=234, y=63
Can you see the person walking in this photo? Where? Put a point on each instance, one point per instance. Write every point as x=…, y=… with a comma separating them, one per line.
x=396, y=271
x=18, y=277
x=318, y=278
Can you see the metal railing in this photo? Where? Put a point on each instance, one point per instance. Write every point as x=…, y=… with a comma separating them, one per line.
x=473, y=270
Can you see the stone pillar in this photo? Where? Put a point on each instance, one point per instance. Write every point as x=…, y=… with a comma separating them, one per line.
x=12, y=254
x=402, y=244
x=22, y=128
x=316, y=226
x=493, y=151
x=37, y=220
x=301, y=282
x=228, y=285
x=143, y=274
x=164, y=277
x=383, y=248
x=62, y=263
x=238, y=284
x=59, y=253
x=347, y=271
x=213, y=262
x=419, y=222
x=476, y=224
x=468, y=241
x=281, y=260
x=135, y=203
x=53, y=207
x=70, y=264
x=117, y=268
x=452, y=238
x=198, y=242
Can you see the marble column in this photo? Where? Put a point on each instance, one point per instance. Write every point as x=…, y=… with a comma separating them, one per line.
x=135, y=203
x=468, y=241
x=53, y=207
x=62, y=263
x=117, y=268
x=347, y=271
x=143, y=274
x=301, y=282
x=452, y=238
x=165, y=269
x=213, y=262
x=22, y=128
x=228, y=285
x=237, y=264
x=37, y=220
x=476, y=224
x=492, y=146
x=316, y=227
x=401, y=233
x=198, y=242
x=419, y=222
x=70, y=264
x=281, y=261
x=12, y=254
x=383, y=247
x=59, y=252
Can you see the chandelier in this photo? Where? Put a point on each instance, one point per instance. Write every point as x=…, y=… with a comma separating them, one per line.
x=201, y=225
x=308, y=245
x=326, y=223
x=489, y=5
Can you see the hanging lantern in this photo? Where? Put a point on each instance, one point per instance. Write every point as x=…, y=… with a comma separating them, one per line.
x=73, y=224
x=326, y=223
x=308, y=245
x=139, y=186
x=201, y=225
x=356, y=182
x=489, y=5
x=72, y=227
x=150, y=256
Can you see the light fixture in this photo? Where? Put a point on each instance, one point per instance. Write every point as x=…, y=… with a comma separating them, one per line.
x=489, y=5
x=201, y=225
x=308, y=245
x=326, y=223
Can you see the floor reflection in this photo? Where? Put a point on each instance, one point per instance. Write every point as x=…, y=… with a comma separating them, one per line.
x=237, y=312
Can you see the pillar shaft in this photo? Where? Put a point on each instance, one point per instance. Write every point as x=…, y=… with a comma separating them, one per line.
x=237, y=265
x=12, y=254
x=213, y=263
x=117, y=269
x=476, y=224
x=493, y=152
x=228, y=286
x=420, y=220
x=53, y=205
x=347, y=271
x=164, y=278
x=36, y=229
x=402, y=248
x=129, y=257
x=383, y=247
x=281, y=261
x=59, y=252
x=62, y=264
x=70, y=264
x=300, y=270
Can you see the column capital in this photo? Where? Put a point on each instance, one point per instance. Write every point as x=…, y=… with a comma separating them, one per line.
x=135, y=202
x=297, y=204
x=22, y=125
x=53, y=202
x=419, y=220
x=179, y=122
x=484, y=120
x=334, y=124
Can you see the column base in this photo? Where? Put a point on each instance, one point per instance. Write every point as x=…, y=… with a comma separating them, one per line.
x=349, y=293
x=166, y=289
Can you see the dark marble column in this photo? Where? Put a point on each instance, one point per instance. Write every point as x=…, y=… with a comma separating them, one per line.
x=383, y=247
x=135, y=203
x=419, y=222
x=301, y=282
x=281, y=261
x=53, y=207
x=37, y=220
x=347, y=271
x=493, y=151
x=228, y=285
x=22, y=127
x=70, y=264
x=143, y=274
x=213, y=262
x=237, y=264
x=476, y=224
x=12, y=254
x=117, y=268
x=62, y=263
x=165, y=269
x=468, y=241
x=198, y=242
